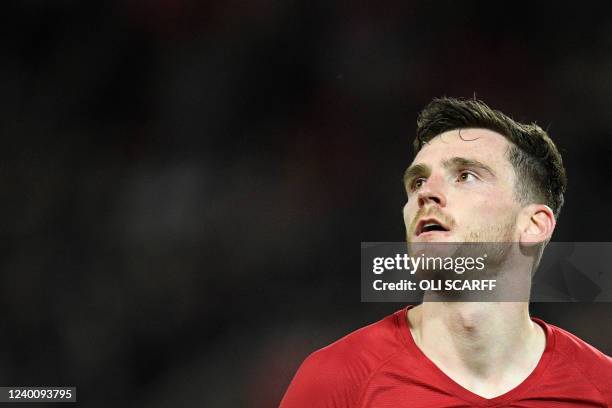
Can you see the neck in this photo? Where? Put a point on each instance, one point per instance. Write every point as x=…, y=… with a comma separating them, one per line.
x=477, y=338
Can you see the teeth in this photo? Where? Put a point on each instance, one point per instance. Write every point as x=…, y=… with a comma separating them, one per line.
x=432, y=226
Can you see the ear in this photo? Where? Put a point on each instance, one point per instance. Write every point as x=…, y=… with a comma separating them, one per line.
x=537, y=224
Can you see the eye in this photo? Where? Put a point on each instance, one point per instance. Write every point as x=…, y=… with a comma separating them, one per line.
x=465, y=176
x=418, y=183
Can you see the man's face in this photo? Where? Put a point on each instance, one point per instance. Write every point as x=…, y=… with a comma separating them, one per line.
x=461, y=189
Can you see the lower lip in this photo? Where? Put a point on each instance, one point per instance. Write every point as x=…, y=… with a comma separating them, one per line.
x=433, y=234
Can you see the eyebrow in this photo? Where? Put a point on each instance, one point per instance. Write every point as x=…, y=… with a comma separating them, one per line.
x=459, y=162
x=423, y=170
x=415, y=171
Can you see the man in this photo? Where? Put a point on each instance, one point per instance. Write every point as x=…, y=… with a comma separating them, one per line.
x=478, y=176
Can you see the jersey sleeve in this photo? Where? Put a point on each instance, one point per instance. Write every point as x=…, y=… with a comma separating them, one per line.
x=337, y=375
x=598, y=369
x=324, y=380
x=594, y=365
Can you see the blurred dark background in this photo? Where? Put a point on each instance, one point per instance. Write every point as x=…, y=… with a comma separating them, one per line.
x=185, y=185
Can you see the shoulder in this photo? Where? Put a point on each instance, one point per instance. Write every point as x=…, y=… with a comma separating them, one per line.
x=578, y=350
x=336, y=374
x=593, y=364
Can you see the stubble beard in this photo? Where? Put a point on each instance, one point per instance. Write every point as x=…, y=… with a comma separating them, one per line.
x=496, y=241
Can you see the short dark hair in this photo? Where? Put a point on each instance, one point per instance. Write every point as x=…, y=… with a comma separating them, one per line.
x=537, y=162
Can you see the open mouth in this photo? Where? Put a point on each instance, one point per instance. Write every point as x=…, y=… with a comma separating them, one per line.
x=430, y=225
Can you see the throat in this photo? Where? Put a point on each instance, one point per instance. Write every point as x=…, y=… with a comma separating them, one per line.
x=473, y=341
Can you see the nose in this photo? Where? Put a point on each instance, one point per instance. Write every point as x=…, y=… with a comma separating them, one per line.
x=432, y=192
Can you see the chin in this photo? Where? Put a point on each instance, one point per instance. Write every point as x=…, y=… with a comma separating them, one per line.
x=427, y=244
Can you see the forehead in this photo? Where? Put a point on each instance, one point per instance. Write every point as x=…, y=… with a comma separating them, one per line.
x=484, y=145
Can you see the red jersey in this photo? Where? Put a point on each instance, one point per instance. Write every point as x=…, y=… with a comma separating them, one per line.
x=380, y=366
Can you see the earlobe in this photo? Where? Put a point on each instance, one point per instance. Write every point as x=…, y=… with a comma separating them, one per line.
x=539, y=226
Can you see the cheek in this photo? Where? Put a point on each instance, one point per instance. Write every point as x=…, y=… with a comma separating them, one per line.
x=493, y=211
x=405, y=211
x=473, y=207
x=408, y=213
